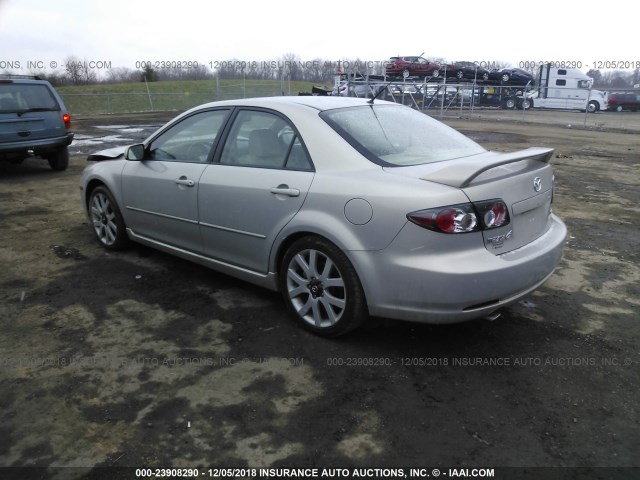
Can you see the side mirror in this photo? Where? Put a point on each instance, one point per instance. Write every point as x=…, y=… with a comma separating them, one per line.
x=135, y=152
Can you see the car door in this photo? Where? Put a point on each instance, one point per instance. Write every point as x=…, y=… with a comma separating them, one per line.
x=160, y=192
x=258, y=183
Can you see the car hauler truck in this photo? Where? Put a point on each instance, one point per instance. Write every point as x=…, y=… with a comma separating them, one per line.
x=565, y=88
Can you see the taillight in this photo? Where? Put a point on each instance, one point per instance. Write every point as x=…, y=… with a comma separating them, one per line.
x=66, y=118
x=463, y=218
x=494, y=213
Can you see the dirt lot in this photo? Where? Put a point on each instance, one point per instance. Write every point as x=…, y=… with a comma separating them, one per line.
x=140, y=359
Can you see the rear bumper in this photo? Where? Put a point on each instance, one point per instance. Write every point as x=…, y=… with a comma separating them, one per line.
x=38, y=146
x=430, y=285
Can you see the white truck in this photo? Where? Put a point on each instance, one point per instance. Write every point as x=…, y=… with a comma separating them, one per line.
x=566, y=88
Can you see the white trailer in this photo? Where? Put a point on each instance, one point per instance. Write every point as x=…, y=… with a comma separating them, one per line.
x=565, y=88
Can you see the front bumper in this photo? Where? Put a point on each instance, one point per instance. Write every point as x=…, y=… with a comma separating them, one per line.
x=441, y=284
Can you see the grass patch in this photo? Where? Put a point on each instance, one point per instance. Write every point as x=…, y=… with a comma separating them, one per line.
x=169, y=95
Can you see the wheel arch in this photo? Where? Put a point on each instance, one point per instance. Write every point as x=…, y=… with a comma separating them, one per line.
x=283, y=245
x=91, y=186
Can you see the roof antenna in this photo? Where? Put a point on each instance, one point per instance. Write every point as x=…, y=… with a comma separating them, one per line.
x=371, y=100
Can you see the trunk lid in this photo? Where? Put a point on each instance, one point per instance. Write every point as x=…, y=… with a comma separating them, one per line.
x=523, y=180
x=527, y=189
x=14, y=128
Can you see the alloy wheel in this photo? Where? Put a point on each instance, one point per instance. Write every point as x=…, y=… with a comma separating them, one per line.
x=103, y=218
x=316, y=288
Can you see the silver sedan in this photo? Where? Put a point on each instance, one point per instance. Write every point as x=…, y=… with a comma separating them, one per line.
x=349, y=207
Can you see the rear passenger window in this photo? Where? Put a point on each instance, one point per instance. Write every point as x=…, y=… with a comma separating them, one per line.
x=298, y=158
x=265, y=140
x=561, y=82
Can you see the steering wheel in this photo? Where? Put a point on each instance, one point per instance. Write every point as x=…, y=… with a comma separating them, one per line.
x=198, y=151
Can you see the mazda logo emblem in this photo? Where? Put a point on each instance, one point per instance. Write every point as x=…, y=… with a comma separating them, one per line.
x=537, y=184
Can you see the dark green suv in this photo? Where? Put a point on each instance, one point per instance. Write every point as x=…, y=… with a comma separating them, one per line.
x=33, y=121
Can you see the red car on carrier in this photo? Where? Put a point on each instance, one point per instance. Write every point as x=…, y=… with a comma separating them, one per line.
x=411, y=67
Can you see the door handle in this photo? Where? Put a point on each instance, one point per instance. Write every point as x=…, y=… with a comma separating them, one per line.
x=185, y=181
x=285, y=190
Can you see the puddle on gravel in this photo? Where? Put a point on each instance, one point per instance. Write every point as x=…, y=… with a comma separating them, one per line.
x=116, y=135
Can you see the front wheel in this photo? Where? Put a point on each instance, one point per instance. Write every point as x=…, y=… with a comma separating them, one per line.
x=321, y=288
x=593, y=107
x=619, y=108
x=106, y=219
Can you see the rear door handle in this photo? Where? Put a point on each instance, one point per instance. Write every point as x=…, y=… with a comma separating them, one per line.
x=185, y=181
x=285, y=190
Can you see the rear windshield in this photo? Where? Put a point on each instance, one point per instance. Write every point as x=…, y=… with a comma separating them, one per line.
x=395, y=135
x=20, y=97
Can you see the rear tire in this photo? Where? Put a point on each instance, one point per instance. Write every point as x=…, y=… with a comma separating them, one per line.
x=619, y=108
x=321, y=288
x=59, y=160
x=106, y=220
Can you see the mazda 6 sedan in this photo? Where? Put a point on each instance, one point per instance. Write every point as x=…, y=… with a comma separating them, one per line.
x=349, y=207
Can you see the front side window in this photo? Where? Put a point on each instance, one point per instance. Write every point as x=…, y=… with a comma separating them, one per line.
x=391, y=135
x=191, y=139
x=265, y=140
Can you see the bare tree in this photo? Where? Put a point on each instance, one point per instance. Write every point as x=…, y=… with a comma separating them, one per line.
x=78, y=71
x=121, y=75
x=597, y=77
x=292, y=66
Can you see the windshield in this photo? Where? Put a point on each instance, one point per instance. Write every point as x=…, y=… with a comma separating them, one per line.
x=19, y=97
x=395, y=135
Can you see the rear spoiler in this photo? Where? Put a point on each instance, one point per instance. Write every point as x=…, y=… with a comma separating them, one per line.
x=462, y=172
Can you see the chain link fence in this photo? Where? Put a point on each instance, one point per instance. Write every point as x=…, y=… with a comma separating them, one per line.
x=149, y=101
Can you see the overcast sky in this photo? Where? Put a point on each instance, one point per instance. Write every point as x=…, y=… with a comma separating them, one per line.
x=123, y=32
